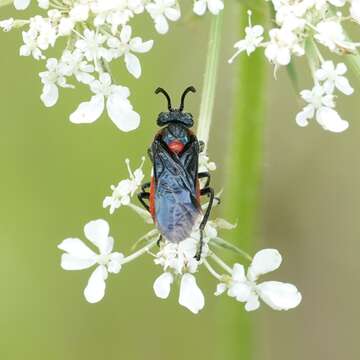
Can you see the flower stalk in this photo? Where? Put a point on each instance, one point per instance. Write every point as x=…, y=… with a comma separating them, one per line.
x=244, y=169
x=210, y=77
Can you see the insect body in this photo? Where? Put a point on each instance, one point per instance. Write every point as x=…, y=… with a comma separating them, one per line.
x=174, y=192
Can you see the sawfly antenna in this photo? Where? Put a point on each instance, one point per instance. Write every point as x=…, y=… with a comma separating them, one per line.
x=188, y=89
x=161, y=90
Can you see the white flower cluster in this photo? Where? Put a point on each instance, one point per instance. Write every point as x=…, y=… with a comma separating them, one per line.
x=96, y=33
x=300, y=27
x=125, y=189
x=177, y=260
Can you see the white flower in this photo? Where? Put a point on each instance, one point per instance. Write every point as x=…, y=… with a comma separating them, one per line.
x=214, y=6
x=73, y=64
x=92, y=46
x=7, y=24
x=283, y=43
x=46, y=32
x=31, y=46
x=66, y=26
x=125, y=189
x=190, y=295
x=161, y=11
x=115, y=13
x=51, y=80
x=21, y=4
x=320, y=105
x=333, y=77
x=126, y=45
x=253, y=39
x=118, y=106
x=78, y=256
x=331, y=34
x=244, y=287
x=80, y=12
x=180, y=257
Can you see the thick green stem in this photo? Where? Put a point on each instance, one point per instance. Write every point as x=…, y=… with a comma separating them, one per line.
x=210, y=76
x=244, y=170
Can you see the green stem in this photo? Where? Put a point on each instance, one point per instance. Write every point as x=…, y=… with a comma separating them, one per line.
x=245, y=173
x=210, y=77
x=313, y=58
x=139, y=253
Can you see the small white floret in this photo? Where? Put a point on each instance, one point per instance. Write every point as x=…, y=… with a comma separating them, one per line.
x=78, y=256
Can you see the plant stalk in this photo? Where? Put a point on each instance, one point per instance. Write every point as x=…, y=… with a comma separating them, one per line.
x=210, y=77
x=244, y=173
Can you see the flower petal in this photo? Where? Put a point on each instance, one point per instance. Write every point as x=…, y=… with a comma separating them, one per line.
x=121, y=113
x=88, y=111
x=115, y=262
x=97, y=231
x=220, y=289
x=330, y=120
x=49, y=95
x=252, y=303
x=238, y=273
x=21, y=4
x=190, y=294
x=342, y=83
x=95, y=289
x=69, y=262
x=161, y=24
x=162, y=285
x=125, y=34
x=199, y=7
x=278, y=295
x=172, y=14
x=77, y=248
x=215, y=6
x=264, y=261
x=133, y=65
x=137, y=45
x=240, y=291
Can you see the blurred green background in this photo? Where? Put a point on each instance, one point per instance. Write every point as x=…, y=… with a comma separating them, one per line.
x=54, y=176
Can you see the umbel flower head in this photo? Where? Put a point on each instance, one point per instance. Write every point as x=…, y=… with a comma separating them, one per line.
x=301, y=28
x=97, y=33
x=177, y=261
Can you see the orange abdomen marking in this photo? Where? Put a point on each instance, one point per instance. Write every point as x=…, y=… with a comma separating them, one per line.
x=198, y=190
